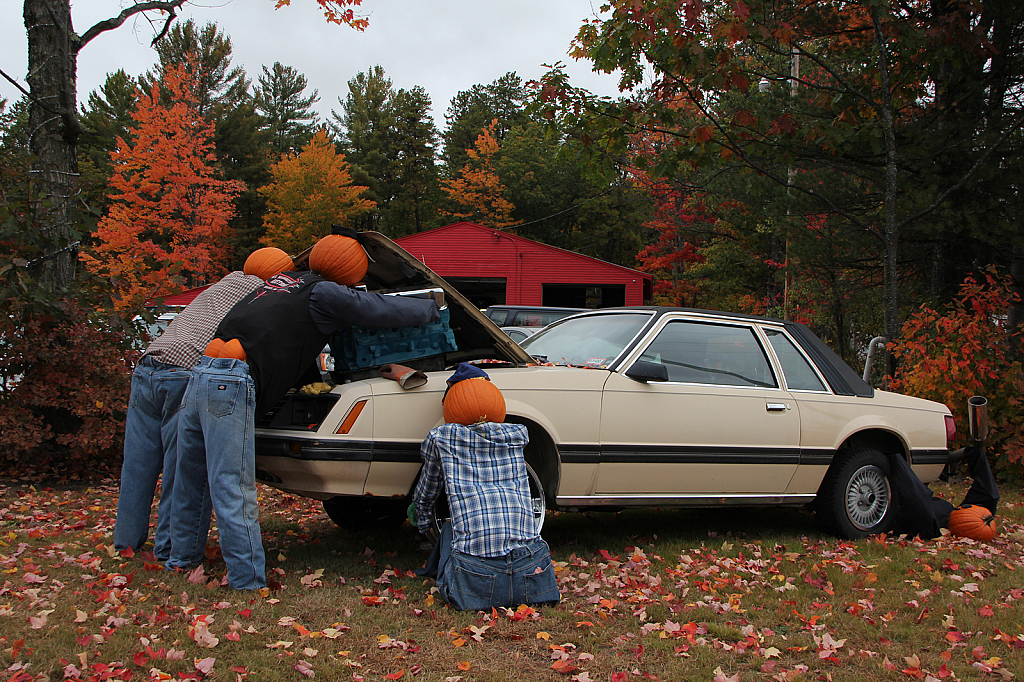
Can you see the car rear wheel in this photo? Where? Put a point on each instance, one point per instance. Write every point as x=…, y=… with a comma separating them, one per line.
x=856, y=498
x=441, y=512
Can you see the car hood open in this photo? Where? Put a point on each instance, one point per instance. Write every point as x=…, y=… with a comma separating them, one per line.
x=393, y=269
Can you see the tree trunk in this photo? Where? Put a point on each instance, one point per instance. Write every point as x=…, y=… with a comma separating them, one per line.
x=1015, y=318
x=890, y=273
x=54, y=129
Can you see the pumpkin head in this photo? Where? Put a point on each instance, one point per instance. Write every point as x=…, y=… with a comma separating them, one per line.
x=339, y=259
x=267, y=262
x=472, y=401
x=973, y=521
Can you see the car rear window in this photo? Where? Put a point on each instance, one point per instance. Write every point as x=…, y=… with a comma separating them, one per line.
x=799, y=374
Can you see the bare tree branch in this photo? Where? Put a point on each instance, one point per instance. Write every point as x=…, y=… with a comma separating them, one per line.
x=1011, y=129
x=29, y=95
x=15, y=84
x=99, y=27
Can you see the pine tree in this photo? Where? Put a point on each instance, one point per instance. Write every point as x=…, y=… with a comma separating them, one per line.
x=277, y=96
x=389, y=138
x=208, y=54
x=107, y=115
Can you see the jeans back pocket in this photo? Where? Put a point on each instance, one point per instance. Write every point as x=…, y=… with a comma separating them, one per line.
x=222, y=395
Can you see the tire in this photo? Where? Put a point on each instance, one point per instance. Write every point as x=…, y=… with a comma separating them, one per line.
x=857, y=498
x=441, y=513
x=355, y=512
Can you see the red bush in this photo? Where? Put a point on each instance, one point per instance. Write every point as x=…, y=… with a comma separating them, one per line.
x=965, y=351
x=64, y=392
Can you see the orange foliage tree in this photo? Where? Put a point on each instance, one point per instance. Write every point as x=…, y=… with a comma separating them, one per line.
x=965, y=351
x=169, y=212
x=478, y=189
x=310, y=192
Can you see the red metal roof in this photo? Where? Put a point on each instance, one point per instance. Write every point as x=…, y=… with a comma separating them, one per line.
x=182, y=299
x=470, y=250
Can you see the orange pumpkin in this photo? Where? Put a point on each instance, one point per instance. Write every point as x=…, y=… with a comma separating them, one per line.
x=472, y=401
x=219, y=348
x=267, y=262
x=973, y=521
x=339, y=259
x=214, y=348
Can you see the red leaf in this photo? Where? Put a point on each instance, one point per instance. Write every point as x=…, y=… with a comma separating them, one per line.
x=564, y=667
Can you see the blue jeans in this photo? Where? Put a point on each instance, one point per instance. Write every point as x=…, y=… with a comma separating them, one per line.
x=471, y=583
x=150, y=446
x=217, y=447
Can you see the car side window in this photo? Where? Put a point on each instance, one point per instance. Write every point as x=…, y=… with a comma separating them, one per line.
x=702, y=353
x=498, y=317
x=800, y=375
x=526, y=319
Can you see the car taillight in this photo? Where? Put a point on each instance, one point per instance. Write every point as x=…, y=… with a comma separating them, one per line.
x=950, y=429
x=351, y=417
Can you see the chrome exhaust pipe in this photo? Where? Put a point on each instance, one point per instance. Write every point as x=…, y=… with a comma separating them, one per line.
x=977, y=418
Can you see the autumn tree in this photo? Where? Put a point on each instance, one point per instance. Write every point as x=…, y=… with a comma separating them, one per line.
x=885, y=117
x=311, y=191
x=53, y=48
x=477, y=189
x=169, y=214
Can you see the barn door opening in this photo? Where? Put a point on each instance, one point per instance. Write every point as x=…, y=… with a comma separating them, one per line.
x=481, y=291
x=584, y=295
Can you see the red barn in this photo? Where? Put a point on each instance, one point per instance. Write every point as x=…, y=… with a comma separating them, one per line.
x=491, y=267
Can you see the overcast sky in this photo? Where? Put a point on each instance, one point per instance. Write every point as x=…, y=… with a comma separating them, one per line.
x=445, y=46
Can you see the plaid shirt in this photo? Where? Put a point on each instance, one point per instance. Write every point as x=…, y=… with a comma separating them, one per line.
x=186, y=336
x=483, y=471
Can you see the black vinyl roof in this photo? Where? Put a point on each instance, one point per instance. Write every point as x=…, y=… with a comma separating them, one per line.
x=842, y=379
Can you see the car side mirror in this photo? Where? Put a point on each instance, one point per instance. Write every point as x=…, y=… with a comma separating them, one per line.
x=644, y=371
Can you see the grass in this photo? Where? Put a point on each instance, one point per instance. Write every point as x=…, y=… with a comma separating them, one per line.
x=725, y=594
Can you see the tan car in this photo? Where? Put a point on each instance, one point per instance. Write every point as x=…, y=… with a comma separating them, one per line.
x=626, y=407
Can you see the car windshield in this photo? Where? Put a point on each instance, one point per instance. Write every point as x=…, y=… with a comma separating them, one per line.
x=589, y=341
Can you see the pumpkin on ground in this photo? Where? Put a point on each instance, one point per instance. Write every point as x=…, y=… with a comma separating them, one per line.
x=973, y=521
x=472, y=401
x=267, y=262
x=339, y=259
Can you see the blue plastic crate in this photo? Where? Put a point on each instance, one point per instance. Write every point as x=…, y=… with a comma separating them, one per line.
x=358, y=348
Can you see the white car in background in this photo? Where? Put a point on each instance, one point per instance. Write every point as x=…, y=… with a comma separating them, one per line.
x=520, y=334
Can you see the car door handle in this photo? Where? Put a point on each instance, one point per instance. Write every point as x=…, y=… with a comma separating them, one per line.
x=776, y=407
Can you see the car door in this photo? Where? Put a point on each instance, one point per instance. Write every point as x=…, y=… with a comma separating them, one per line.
x=721, y=425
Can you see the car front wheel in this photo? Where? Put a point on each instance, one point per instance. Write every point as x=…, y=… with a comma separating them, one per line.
x=856, y=498
x=441, y=512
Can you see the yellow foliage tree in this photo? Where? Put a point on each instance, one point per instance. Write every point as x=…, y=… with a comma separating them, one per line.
x=310, y=192
x=478, y=189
